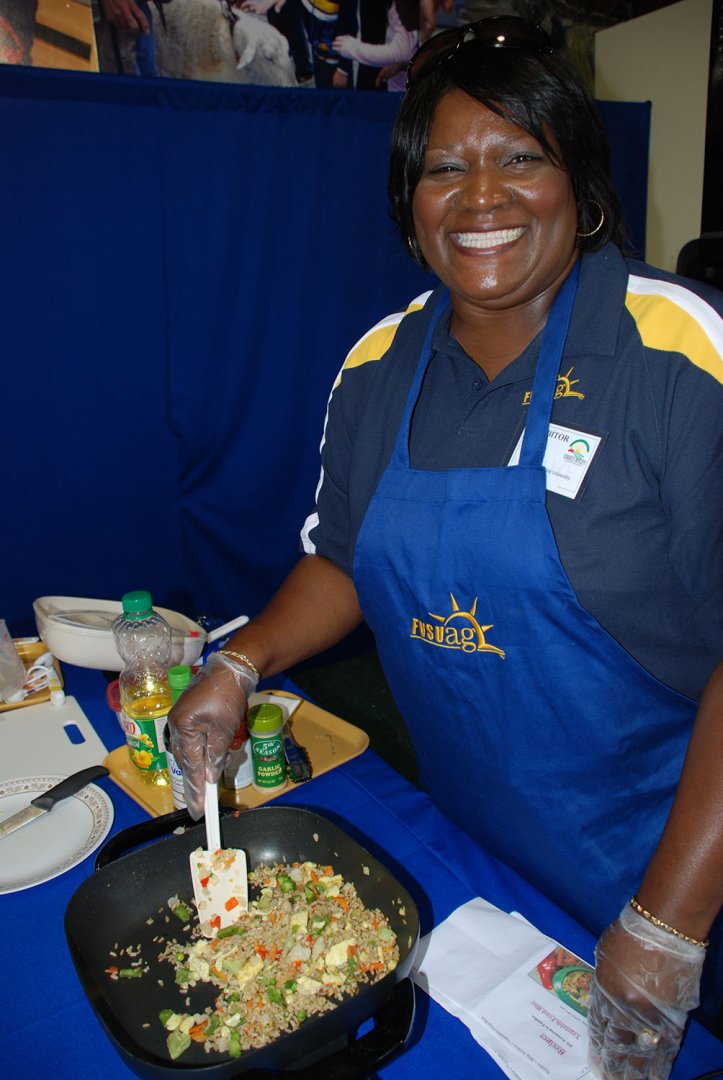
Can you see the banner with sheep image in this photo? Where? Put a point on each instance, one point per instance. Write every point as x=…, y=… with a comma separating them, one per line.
x=327, y=44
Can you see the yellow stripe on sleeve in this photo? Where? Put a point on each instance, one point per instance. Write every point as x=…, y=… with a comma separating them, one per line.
x=375, y=343
x=672, y=319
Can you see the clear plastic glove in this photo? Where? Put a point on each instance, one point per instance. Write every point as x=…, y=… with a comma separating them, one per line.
x=203, y=722
x=646, y=982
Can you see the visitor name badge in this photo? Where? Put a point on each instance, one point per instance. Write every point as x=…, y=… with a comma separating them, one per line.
x=568, y=457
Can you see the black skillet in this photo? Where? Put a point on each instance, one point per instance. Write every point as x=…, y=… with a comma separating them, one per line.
x=111, y=909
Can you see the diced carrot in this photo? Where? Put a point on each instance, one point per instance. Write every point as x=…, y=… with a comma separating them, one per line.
x=231, y=903
x=204, y=882
x=350, y=950
x=261, y=950
x=342, y=902
x=376, y=966
x=296, y=964
x=197, y=1033
x=216, y=922
x=314, y=876
x=111, y=971
x=328, y=871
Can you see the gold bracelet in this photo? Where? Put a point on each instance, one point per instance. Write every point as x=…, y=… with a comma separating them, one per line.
x=637, y=906
x=243, y=660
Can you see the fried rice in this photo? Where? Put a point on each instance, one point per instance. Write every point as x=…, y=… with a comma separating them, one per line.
x=307, y=942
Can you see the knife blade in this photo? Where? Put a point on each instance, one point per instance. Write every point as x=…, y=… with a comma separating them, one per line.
x=43, y=804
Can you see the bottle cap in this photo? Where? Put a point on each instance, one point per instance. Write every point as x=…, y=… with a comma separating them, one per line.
x=179, y=676
x=137, y=604
x=263, y=719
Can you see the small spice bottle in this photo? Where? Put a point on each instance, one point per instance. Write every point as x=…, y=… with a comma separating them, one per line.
x=238, y=771
x=265, y=724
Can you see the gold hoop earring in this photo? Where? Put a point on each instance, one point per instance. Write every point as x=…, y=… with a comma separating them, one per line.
x=598, y=227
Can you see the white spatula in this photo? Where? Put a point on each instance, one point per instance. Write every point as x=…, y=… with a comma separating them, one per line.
x=219, y=875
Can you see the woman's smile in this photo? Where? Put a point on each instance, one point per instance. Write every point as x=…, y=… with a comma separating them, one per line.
x=485, y=241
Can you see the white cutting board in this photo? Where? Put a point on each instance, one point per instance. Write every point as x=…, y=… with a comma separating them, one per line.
x=53, y=739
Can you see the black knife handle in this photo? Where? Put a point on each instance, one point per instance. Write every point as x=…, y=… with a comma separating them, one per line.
x=70, y=786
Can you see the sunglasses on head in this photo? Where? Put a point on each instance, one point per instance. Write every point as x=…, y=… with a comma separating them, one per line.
x=497, y=32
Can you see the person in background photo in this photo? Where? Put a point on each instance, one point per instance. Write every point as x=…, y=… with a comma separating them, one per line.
x=17, y=30
x=323, y=21
x=392, y=57
x=310, y=27
x=521, y=495
x=126, y=37
x=423, y=17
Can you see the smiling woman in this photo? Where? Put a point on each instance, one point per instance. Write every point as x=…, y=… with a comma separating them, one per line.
x=542, y=561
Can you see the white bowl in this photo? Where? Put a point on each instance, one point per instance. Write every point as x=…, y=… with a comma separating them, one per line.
x=77, y=631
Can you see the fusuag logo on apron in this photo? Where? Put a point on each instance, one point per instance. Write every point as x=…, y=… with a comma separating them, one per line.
x=458, y=630
x=563, y=389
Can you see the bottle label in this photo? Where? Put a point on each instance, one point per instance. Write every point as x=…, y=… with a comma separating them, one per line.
x=176, y=776
x=268, y=762
x=145, y=738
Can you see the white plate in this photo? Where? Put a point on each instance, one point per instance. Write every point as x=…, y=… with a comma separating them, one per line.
x=55, y=842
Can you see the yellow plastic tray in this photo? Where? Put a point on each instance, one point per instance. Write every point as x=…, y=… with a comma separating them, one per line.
x=328, y=740
x=29, y=653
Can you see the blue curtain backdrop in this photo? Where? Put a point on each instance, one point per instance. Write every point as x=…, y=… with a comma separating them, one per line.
x=183, y=268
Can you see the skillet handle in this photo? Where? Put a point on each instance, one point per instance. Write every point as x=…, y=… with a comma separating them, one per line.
x=391, y=1033
x=360, y=1059
x=140, y=834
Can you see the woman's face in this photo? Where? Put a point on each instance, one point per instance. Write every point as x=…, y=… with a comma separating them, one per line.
x=494, y=217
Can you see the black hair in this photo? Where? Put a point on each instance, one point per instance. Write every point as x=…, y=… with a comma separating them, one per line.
x=542, y=94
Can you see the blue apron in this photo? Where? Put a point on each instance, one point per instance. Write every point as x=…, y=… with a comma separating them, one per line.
x=534, y=730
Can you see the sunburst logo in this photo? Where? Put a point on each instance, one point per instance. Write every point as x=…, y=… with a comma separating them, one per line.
x=458, y=630
x=563, y=389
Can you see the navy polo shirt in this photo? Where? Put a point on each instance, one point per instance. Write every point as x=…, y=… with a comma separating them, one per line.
x=642, y=543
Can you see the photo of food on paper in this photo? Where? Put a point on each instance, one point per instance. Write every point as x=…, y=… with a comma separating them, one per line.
x=567, y=977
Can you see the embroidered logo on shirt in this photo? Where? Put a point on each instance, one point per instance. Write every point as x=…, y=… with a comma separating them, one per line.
x=563, y=389
x=458, y=630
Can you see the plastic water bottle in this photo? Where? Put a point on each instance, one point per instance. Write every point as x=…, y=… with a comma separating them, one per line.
x=179, y=678
x=144, y=640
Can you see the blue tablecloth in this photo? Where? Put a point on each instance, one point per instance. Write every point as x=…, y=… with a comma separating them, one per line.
x=50, y=1028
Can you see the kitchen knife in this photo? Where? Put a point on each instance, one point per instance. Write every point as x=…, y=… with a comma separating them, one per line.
x=42, y=804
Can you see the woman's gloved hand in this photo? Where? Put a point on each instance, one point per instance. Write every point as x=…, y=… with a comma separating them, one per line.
x=203, y=722
x=646, y=982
